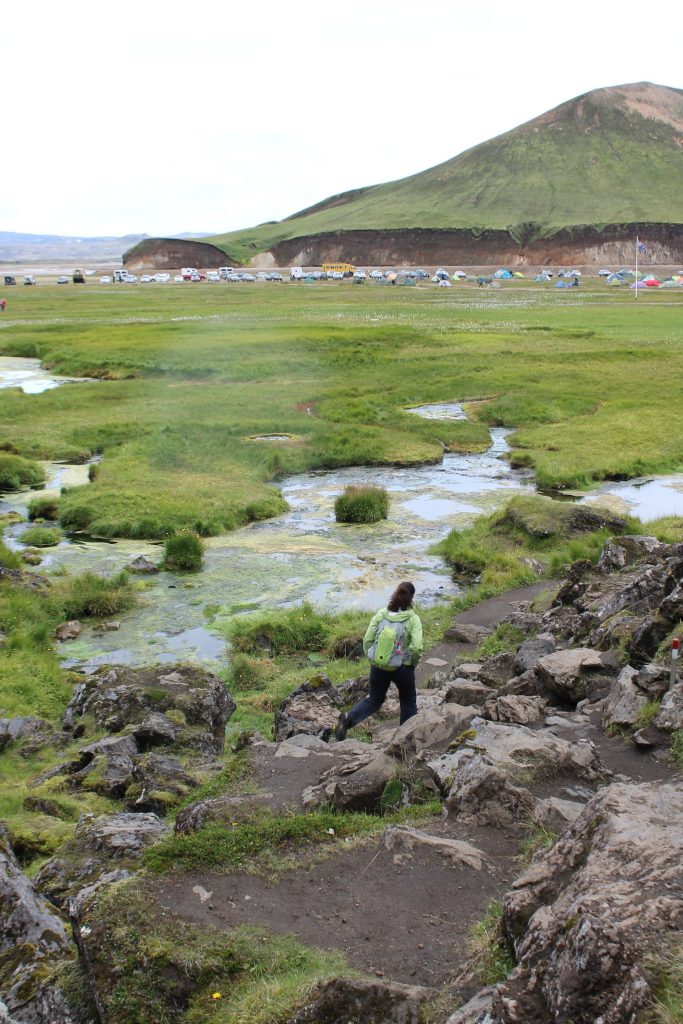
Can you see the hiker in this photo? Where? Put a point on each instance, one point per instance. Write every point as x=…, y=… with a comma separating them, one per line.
x=3, y=303
x=393, y=643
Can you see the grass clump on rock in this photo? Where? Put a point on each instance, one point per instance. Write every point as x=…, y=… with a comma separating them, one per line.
x=362, y=505
x=16, y=473
x=41, y=536
x=184, y=551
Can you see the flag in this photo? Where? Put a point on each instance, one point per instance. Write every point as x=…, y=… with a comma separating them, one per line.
x=642, y=247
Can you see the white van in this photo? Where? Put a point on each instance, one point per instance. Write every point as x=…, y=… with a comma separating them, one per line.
x=296, y=274
x=190, y=274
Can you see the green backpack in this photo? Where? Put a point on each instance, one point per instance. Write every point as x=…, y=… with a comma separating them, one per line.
x=387, y=650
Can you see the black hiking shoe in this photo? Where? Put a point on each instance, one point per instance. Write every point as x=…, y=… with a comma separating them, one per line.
x=342, y=727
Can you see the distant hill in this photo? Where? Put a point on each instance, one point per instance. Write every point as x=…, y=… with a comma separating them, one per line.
x=24, y=247
x=585, y=174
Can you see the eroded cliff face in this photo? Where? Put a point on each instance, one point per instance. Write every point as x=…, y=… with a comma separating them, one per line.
x=520, y=246
x=172, y=253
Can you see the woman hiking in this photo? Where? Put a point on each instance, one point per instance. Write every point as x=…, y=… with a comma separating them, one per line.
x=393, y=643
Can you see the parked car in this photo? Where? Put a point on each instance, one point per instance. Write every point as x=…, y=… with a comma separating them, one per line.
x=105, y=280
x=276, y=276
x=359, y=275
x=162, y=278
x=60, y=280
x=29, y=279
x=146, y=279
x=213, y=276
x=78, y=277
x=11, y=280
x=178, y=278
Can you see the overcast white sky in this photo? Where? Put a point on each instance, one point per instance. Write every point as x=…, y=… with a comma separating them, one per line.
x=185, y=116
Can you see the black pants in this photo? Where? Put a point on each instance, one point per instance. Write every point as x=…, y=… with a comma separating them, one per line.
x=380, y=680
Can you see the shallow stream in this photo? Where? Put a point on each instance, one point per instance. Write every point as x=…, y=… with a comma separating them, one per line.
x=303, y=554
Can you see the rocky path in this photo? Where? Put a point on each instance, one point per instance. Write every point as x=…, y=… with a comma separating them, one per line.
x=540, y=777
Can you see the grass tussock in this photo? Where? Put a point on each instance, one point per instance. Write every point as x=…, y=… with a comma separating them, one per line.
x=504, y=639
x=298, y=630
x=667, y=1004
x=184, y=552
x=362, y=505
x=16, y=472
x=677, y=748
x=43, y=507
x=41, y=536
x=91, y=596
x=10, y=559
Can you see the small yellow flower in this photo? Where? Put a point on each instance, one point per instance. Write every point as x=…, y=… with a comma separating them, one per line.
x=216, y=995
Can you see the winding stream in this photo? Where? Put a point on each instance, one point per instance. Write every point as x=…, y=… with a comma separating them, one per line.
x=303, y=554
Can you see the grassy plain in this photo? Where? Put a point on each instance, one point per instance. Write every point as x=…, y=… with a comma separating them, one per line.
x=590, y=380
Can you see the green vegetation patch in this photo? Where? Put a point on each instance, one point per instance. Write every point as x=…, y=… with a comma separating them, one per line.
x=302, y=629
x=491, y=958
x=157, y=969
x=184, y=551
x=16, y=473
x=359, y=504
x=41, y=536
x=43, y=507
x=505, y=638
x=530, y=537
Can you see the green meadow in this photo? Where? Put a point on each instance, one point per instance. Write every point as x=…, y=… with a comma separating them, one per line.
x=190, y=376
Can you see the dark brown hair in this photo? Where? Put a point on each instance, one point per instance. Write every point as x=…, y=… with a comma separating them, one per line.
x=402, y=598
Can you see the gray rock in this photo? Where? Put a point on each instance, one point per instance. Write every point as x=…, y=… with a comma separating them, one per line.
x=469, y=669
x=626, y=549
x=117, y=696
x=313, y=709
x=654, y=680
x=625, y=702
x=555, y=813
x=221, y=809
x=483, y=793
x=32, y=938
x=68, y=630
x=529, y=753
x=362, y=790
x=466, y=633
x=467, y=692
x=142, y=565
x=670, y=717
x=359, y=1001
x=158, y=783
x=155, y=730
x=564, y=673
x=432, y=729
x=22, y=727
x=531, y=650
x=497, y=670
x=103, y=846
x=520, y=710
x=475, y=1009
x=405, y=843
x=582, y=915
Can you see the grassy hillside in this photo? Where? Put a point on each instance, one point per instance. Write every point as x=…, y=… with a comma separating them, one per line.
x=611, y=156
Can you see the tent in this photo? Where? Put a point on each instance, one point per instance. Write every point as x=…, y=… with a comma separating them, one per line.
x=638, y=284
x=460, y=274
x=502, y=275
x=518, y=273
x=651, y=282
x=542, y=278
x=669, y=284
x=441, y=274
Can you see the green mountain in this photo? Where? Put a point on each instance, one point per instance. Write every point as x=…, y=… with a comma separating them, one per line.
x=610, y=157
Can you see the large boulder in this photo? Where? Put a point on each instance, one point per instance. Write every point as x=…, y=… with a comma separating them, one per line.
x=431, y=729
x=515, y=708
x=582, y=915
x=191, y=700
x=563, y=674
x=483, y=793
x=528, y=754
x=33, y=938
x=360, y=788
x=103, y=848
x=531, y=650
